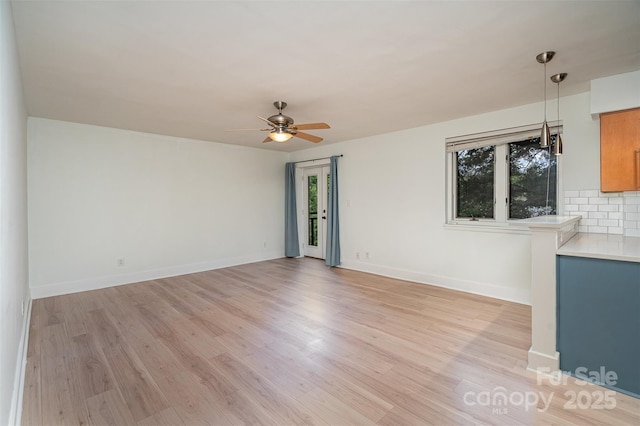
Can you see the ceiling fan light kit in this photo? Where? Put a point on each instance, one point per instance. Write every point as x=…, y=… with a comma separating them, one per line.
x=282, y=127
x=280, y=135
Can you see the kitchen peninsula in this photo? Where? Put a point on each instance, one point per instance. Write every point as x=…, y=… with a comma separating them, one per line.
x=585, y=291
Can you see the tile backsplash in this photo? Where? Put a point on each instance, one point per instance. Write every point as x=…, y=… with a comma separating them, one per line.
x=605, y=212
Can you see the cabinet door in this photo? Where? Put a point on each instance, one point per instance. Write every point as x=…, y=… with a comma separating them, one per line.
x=598, y=316
x=620, y=151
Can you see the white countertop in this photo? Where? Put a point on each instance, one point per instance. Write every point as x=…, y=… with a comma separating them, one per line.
x=602, y=246
x=551, y=222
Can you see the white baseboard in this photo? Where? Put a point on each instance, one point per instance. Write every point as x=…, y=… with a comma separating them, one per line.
x=475, y=287
x=15, y=414
x=96, y=283
x=483, y=289
x=543, y=363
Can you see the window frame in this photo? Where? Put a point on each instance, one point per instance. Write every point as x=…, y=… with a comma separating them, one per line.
x=500, y=139
x=455, y=187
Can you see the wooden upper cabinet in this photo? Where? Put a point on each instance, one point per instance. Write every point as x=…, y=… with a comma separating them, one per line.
x=620, y=151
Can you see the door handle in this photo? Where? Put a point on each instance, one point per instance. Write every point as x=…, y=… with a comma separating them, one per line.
x=324, y=217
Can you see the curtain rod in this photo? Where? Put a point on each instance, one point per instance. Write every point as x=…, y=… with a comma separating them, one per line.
x=316, y=159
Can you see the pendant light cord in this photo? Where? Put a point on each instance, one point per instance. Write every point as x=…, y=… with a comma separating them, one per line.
x=546, y=207
x=546, y=204
x=558, y=106
x=545, y=91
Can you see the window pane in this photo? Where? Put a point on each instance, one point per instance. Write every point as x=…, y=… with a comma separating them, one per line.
x=475, y=170
x=532, y=183
x=312, y=190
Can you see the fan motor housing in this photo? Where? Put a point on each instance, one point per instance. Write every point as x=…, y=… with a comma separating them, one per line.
x=281, y=120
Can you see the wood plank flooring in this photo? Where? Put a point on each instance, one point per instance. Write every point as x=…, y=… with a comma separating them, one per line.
x=291, y=342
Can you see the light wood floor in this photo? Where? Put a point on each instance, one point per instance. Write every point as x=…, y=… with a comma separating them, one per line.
x=292, y=342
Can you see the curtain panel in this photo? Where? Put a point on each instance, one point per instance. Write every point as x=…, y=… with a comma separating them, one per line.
x=333, y=218
x=291, y=243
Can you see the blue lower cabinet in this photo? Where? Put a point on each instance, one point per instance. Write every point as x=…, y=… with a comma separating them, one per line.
x=598, y=309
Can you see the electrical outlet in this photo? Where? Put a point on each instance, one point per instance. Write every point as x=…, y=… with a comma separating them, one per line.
x=120, y=262
x=264, y=244
x=357, y=255
x=366, y=255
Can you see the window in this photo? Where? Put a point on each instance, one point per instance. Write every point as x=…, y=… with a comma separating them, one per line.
x=532, y=180
x=497, y=176
x=474, y=180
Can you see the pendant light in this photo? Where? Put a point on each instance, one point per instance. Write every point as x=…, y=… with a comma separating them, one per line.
x=558, y=78
x=545, y=135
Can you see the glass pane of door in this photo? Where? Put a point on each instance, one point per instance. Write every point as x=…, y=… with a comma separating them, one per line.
x=312, y=209
x=315, y=210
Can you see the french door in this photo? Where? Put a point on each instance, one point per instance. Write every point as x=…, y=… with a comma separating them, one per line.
x=316, y=191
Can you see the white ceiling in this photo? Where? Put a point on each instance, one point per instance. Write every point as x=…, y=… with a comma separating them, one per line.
x=195, y=68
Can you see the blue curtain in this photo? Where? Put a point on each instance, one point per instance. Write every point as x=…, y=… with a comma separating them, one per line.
x=333, y=221
x=291, y=244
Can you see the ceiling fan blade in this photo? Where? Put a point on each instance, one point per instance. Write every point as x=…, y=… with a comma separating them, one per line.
x=311, y=126
x=242, y=130
x=267, y=121
x=267, y=139
x=308, y=137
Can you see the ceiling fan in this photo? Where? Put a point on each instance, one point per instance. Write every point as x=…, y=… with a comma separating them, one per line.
x=282, y=128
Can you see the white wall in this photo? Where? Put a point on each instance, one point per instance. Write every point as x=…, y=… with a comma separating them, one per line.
x=169, y=206
x=165, y=205
x=581, y=141
x=392, y=194
x=14, y=289
x=615, y=93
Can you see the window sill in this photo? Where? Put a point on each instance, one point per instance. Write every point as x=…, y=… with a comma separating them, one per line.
x=486, y=226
